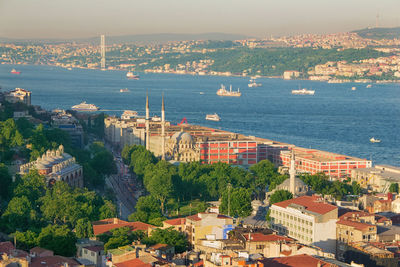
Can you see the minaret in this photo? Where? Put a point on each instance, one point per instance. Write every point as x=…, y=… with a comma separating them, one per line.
x=292, y=173
x=162, y=129
x=147, y=122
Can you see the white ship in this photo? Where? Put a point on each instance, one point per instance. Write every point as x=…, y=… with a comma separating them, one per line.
x=130, y=75
x=129, y=114
x=85, y=107
x=213, y=117
x=124, y=90
x=353, y=88
x=253, y=83
x=223, y=92
x=369, y=86
x=373, y=140
x=303, y=91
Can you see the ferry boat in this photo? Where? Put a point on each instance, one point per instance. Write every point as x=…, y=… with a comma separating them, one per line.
x=253, y=83
x=85, y=107
x=124, y=90
x=213, y=117
x=303, y=91
x=373, y=140
x=14, y=71
x=223, y=92
x=129, y=114
x=132, y=76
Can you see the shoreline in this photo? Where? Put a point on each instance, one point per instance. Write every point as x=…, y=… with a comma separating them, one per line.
x=361, y=81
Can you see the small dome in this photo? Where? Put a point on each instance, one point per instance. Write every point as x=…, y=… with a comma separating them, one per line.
x=182, y=136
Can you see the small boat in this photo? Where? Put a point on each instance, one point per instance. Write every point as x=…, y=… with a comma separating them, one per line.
x=132, y=76
x=303, y=91
x=124, y=90
x=202, y=93
x=374, y=140
x=353, y=88
x=253, y=83
x=213, y=117
x=369, y=85
x=69, y=68
x=14, y=71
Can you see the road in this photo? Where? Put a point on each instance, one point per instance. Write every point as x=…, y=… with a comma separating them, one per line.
x=123, y=185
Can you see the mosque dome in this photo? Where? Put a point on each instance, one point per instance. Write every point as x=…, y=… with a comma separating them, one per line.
x=182, y=137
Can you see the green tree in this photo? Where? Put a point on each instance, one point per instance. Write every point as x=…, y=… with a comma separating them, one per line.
x=394, y=188
x=122, y=236
x=147, y=209
x=158, y=181
x=31, y=185
x=170, y=237
x=240, y=202
x=140, y=159
x=60, y=239
x=280, y=195
x=5, y=182
x=19, y=214
x=83, y=228
x=26, y=240
x=108, y=210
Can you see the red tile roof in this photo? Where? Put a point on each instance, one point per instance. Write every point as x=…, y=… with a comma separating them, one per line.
x=357, y=225
x=53, y=261
x=259, y=237
x=355, y=214
x=132, y=263
x=177, y=221
x=39, y=250
x=194, y=218
x=309, y=203
x=295, y=261
x=107, y=225
x=6, y=247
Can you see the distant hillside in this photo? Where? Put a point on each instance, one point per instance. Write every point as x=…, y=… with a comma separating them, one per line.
x=379, y=33
x=139, y=38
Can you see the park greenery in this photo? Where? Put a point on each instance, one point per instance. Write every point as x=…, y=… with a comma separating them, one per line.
x=31, y=211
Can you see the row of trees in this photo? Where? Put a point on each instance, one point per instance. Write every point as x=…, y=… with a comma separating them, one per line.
x=168, y=183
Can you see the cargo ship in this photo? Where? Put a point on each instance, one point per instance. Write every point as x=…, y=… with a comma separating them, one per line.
x=14, y=71
x=85, y=107
x=213, y=117
x=303, y=91
x=131, y=75
x=223, y=92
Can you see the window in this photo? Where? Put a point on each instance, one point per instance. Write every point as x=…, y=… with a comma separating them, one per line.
x=260, y=246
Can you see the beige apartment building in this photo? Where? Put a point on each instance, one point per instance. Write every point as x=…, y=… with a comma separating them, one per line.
x=308, y=219
x=378, y=178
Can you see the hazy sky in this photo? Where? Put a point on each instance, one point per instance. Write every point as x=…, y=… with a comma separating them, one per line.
x=86, y=18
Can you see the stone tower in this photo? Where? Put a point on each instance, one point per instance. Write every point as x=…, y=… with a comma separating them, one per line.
x=147, y=122
x=162, y=129
x=292, y=174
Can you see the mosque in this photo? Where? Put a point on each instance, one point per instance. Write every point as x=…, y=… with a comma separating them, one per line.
x=56, y=165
